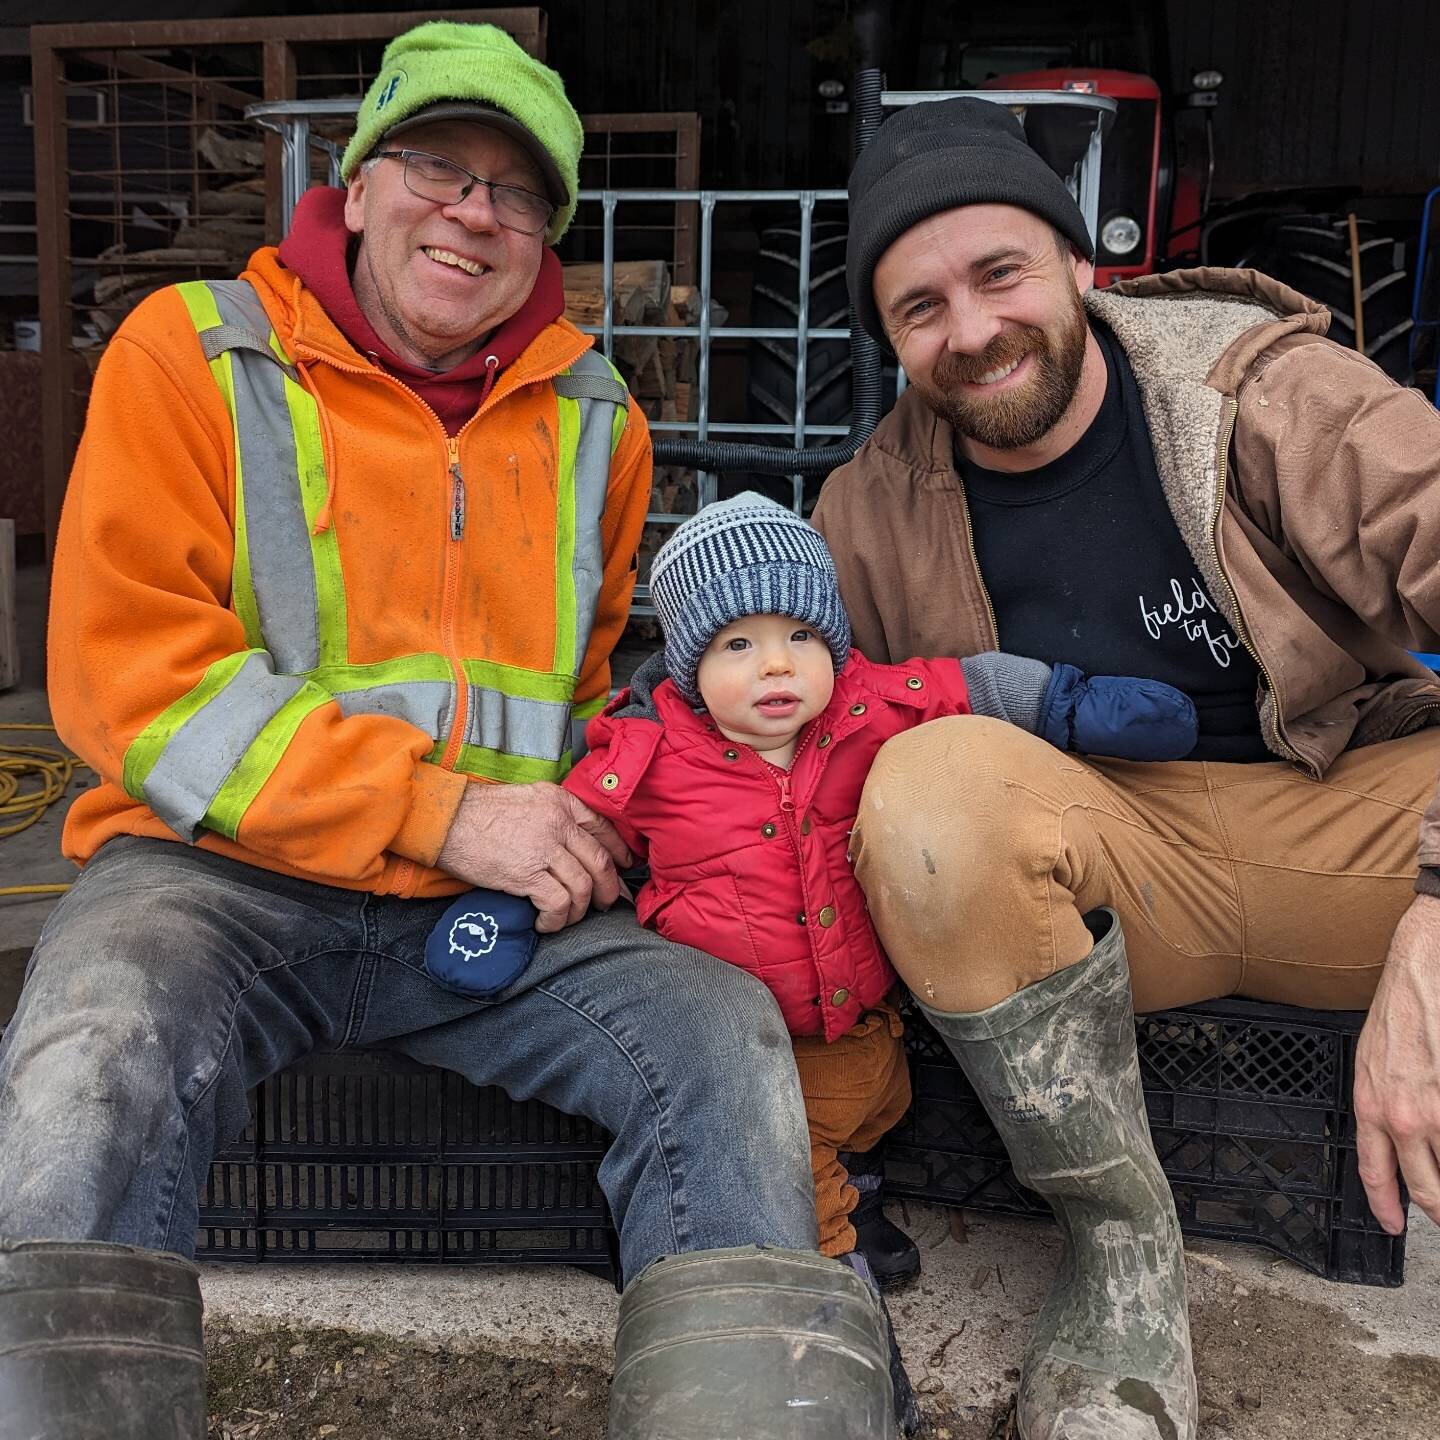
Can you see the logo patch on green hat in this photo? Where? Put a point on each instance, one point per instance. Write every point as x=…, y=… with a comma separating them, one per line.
x=390, y=89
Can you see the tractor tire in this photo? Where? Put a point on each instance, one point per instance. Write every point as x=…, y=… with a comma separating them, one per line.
x=1311, y=254
x=775, y=301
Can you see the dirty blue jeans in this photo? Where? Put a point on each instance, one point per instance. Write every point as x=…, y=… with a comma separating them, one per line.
x=169, y=981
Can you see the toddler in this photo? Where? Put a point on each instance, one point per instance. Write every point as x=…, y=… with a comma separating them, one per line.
x=735, y=763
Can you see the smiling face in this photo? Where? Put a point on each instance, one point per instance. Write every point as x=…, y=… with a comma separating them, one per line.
x=435, y=280
x=763, y=679
x=982, y=305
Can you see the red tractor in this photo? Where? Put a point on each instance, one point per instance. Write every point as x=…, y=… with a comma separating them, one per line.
x=1155, y=213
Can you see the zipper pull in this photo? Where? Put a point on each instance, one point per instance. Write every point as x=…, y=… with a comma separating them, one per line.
x=457, y=493
x=786, y=803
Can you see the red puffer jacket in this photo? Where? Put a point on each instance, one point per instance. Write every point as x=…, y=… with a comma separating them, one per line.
x=748, y=862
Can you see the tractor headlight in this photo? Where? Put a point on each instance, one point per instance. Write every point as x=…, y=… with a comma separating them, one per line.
x=1120, y=234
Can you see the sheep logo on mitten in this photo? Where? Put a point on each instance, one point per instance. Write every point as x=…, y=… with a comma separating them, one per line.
x=474, y=934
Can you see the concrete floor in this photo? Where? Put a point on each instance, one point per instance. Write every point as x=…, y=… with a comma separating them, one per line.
x=989, y=1271
x=984, y=1279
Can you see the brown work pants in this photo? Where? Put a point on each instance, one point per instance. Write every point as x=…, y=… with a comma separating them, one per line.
x=980, y=847
x=855, y=1089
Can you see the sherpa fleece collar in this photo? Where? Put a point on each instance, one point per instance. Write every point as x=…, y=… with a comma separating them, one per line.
x=1191, y=337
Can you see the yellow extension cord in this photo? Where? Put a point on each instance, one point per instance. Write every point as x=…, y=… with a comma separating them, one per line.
x=21, y=808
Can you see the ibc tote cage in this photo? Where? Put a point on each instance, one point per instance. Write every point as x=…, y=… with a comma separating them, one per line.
x=1066, y=127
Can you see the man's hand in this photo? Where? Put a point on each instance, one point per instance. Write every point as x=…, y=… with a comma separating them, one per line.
x=536, y=840
x=1397, y=1072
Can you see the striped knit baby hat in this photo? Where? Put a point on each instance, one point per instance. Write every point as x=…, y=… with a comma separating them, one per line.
x=739, y=557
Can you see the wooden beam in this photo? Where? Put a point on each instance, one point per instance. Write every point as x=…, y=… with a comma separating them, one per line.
x=525, y=23
x=279, y=85
x=143, y=67
x=52, y=234
x=9, y=627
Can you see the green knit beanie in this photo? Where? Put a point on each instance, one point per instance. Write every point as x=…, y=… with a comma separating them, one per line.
x=443, y=61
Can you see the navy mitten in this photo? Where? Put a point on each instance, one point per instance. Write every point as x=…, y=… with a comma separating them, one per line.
x=482, y=943
x=1118, y=715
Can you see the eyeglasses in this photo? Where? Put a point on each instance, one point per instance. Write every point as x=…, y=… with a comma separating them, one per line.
x=446, y=183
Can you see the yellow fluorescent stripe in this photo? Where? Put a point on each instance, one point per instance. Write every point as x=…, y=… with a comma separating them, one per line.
x=590, y=707
x=146, y=748
x=569, y=441
x=513, y=680
x=511, y=769
x=258, y=763
x=339, y=678
x=332, y=620
x=488, y=674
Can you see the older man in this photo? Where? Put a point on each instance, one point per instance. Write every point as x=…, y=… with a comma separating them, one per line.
x=347, y=539
x=1183, y=480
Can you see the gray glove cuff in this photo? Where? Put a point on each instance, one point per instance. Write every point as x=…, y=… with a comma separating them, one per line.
x=1006, y=687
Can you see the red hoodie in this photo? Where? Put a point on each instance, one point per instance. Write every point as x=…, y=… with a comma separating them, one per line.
x=318, y=250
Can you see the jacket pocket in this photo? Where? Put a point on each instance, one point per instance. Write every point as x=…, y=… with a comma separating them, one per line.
x=708, y=914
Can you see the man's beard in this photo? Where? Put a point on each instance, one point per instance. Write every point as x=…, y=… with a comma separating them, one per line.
x=1014, y=418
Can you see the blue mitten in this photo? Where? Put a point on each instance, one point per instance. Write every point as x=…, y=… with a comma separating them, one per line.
x=1118, y=715
x=481, y=943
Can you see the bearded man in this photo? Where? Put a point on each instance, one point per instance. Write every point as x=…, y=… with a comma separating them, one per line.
x=1179, y=478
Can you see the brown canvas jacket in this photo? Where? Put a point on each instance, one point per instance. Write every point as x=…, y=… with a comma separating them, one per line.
x=1305, y=483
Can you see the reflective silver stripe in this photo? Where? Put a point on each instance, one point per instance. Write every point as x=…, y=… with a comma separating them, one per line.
x=535, y=729
x=199, y=757
x=282, y=567
x=429, y=705
x=592, y=485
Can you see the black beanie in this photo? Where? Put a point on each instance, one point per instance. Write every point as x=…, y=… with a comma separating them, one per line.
x=935, y=156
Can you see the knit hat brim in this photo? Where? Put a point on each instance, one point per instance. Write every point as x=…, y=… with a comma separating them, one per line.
x=941, y=155
x=493, y=119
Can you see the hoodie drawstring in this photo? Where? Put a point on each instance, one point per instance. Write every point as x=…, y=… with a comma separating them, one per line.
x=492, y=369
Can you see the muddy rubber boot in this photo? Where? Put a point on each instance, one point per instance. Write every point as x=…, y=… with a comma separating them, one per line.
x=893, y=1256
x=99, y=1342
x=750, y=1344
x=1055, y=1067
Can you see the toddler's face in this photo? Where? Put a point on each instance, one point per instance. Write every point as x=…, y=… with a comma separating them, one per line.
x=764, y=678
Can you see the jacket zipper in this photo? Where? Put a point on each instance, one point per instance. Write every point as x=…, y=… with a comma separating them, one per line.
x=405, y=871
x=975, y=565
x=781, y=782
x=1232, y=412
x=453, y=554
x=457, y=492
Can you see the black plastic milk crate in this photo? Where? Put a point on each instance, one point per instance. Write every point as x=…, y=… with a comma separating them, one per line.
x=369, y=1156
x=1250, y=1109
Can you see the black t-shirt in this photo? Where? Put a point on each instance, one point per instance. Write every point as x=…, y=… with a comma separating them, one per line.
x=1084, y=564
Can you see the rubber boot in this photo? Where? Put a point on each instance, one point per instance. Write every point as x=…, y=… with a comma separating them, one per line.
x=750, y=1344
x=1056, y=1069
x=99, y=1342
x=893, y=1256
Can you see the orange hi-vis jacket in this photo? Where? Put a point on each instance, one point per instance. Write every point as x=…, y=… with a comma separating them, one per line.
x=291, y=618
